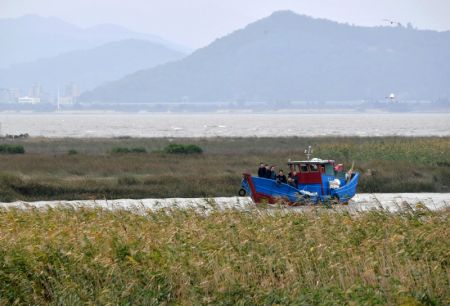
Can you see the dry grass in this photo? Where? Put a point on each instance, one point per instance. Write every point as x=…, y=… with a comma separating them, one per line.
x=89, y=256
x=47, y=171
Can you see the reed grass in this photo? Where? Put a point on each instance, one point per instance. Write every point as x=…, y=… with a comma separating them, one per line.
x=47, y=172
x=255, y=257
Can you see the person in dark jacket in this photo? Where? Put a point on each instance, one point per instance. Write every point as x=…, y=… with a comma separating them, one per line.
x=268, y=173
x=271, y=174
x=281, y=178
x=261, y=170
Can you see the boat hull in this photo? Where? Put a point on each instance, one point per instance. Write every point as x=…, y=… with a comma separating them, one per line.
x=263, y=190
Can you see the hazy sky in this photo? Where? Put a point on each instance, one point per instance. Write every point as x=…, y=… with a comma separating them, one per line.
x=196, y=23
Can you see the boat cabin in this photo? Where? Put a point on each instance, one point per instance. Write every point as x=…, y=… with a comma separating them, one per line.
x=310, y=171
x=315, y=174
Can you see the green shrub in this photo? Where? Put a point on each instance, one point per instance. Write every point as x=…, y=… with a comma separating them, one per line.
x=11, y=149
x=122, y=150
x=138, y=150
x=72, y=152
x=183, y=149
x=127, y=180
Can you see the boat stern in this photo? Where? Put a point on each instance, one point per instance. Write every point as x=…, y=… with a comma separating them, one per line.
x=348, y=191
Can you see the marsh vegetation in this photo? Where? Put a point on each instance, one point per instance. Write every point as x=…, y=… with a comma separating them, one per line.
x=141, y=168
x=254, y=257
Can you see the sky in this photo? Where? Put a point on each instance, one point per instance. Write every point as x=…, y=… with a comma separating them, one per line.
x=196, y=23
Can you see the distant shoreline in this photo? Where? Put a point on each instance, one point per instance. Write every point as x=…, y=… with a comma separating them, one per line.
x=225, y=111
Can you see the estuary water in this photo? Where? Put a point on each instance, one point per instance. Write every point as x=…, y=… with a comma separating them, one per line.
x=224, y=124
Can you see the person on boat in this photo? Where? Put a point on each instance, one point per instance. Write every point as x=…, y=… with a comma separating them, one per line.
x=267, y=172
x=293, y=179
x=261, y=170
x=292, y=173
x=271, y=174
x=339, y=171
x=291, y=182
x=281, y=178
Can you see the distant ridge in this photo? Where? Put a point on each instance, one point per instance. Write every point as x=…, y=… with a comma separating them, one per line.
x=88, y=68
x=32, y=37
x=288, y=57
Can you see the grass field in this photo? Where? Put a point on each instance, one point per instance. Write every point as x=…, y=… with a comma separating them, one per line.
x=260, y=256
x=257, y=257
x=72, y=168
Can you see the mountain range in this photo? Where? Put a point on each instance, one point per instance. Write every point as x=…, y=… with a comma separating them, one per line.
x=31, y=37
x=291, y=57
x=88, y=68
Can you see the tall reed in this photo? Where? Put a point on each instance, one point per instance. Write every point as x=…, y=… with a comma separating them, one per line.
x=259, y=256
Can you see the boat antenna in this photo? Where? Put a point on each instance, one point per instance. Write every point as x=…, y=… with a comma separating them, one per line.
x=308, y=152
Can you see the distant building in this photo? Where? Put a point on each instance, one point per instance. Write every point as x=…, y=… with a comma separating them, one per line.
x=65, y=100
x=72, y=90
x=29, y=100
x=35, y=91
x=9, y=95
x=4, y=95
x=71, y=94
x=34, y=95
x=14, y=94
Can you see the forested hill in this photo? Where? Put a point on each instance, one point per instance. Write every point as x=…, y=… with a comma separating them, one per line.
x=289, y=57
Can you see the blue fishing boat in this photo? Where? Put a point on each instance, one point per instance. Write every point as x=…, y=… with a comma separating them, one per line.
x=311, y=181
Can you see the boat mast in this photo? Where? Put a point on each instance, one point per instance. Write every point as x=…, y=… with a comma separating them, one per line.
x=308, y=153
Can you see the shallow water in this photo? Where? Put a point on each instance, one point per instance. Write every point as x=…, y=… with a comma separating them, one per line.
x=225, y=125
x=361, y=202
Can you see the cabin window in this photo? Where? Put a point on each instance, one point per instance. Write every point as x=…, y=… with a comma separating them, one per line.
x=313, y=167
x=303, y=168
x=329, y=170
